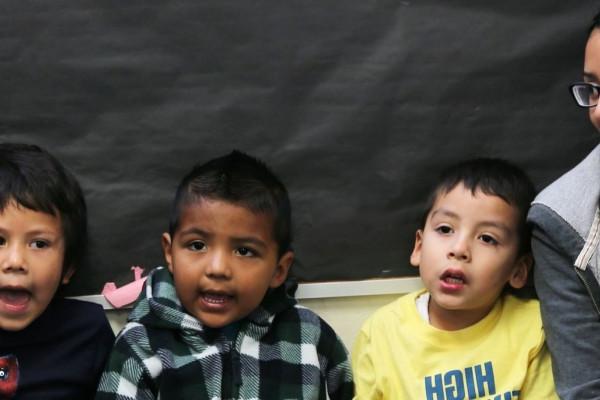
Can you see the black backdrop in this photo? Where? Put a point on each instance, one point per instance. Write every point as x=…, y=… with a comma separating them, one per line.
x=356, y=104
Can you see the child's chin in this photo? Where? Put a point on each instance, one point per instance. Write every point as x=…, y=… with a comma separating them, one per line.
x=14, y=325
x=214, y=323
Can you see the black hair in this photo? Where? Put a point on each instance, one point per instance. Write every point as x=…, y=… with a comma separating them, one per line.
x=494, y=177
x=239, y=179
x=595, y=23
x=32, y=178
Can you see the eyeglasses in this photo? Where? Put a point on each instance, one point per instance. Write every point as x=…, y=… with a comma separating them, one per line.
x=586, y=94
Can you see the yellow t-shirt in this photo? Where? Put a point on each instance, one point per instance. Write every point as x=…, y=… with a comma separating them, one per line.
x=398, y=355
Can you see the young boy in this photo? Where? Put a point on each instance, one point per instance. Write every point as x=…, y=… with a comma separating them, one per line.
x=464, y=336
x=220, y=322
x=50, y=347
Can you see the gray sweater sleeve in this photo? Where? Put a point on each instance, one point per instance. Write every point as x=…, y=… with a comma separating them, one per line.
x=570, y=318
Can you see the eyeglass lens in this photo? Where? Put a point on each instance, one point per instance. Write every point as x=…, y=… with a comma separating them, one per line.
x=586, y=95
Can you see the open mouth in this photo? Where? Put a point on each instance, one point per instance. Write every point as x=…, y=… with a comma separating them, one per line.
x=454, y=278
x=15, y=299
x=216, y=298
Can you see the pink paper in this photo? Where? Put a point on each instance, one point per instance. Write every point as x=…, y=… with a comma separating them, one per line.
x=126, y=294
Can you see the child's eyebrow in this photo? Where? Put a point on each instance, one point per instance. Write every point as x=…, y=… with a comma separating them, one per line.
x=445, y=212
x=483, y=224
x=195, y=231
x=35, y=232
x=249, y=240
x=498, y=225
x=235, y=240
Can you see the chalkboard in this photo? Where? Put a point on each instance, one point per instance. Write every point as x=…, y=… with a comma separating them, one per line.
x=357, y=105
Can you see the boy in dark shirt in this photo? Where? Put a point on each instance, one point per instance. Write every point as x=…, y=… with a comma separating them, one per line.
x=50, y=347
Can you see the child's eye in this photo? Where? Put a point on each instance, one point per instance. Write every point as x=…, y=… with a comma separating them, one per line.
x=39, y=244
x=2, y=241
x=197, y=245
x=245, y=252
x=444, y=229
x=488, y=239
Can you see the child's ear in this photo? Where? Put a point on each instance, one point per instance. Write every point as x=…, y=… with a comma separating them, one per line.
x=518, y=277
x=67, y=274
x=167, y=247
x=415, y=257
x=282, y=269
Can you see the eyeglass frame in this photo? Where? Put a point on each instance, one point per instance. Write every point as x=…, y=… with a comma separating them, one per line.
x=594, y=85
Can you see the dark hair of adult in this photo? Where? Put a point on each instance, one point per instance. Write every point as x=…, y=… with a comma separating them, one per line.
x=595, y=23
x=494, y=177
x=242, y=180
x=32, y=178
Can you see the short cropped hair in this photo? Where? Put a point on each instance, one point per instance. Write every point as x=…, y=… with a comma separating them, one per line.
x=242, y=180
x=32, y=178
x=494, y=177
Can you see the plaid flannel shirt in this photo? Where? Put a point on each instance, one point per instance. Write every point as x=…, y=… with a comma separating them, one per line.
x=282, y=351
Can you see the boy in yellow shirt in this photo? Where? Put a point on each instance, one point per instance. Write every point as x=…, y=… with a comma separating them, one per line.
x=466, y=335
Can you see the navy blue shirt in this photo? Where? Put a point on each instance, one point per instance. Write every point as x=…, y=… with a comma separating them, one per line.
x=62, y=353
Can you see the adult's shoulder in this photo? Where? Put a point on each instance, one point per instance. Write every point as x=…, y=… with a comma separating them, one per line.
x=575, y=190
x=571, y=200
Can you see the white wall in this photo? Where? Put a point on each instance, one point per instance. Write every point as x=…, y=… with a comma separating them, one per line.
x=346, y=314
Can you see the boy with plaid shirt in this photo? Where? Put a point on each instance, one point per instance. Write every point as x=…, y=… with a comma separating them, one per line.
x=220, y=322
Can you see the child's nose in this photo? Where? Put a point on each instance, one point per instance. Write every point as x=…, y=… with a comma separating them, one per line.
x=218, y=265
x=14, y=261
x=460, y=249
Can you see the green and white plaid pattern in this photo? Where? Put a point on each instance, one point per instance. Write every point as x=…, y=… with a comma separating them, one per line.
x=282, y=351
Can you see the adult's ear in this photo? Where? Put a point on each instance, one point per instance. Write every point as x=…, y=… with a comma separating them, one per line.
x=281, y=270
x=518, y=277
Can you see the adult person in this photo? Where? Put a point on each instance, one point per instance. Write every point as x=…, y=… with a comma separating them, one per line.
x=566, y=235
